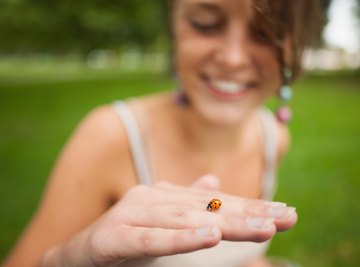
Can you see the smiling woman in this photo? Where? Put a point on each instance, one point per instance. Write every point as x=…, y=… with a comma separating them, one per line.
x=212, y=42
x=214, y=52
x=126, y=189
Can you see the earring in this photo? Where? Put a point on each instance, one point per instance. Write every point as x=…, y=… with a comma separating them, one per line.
x=284, y=113
x=181, y=98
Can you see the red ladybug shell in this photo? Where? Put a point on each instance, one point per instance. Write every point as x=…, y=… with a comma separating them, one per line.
x=214, y=204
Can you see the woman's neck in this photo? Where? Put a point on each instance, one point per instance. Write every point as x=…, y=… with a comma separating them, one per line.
x=204, y=135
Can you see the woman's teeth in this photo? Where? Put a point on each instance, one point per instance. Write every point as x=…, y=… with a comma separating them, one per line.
x=229, y=87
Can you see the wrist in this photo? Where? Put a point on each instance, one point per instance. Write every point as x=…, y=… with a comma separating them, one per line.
x=52, y=257
x=71, y=254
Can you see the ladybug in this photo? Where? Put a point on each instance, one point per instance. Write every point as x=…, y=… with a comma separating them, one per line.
x=214, y=204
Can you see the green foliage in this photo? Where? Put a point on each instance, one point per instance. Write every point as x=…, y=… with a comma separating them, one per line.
x=325, y=4
x=79, y=26
x=66, y=26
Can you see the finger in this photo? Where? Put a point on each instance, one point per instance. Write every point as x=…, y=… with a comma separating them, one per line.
x=231, y=205
x=166, y=193
x=233, y=227
x=285, y=217
x=208, y=182
x=283, y=224
x=199, y=199
x=155, y=242
x=165, y=185
x=254, y=229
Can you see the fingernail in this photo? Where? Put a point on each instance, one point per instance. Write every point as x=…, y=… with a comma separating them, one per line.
x=291, y=212
x=206, y=231
x=281, y=212
x=259, y=222
x=276, y=204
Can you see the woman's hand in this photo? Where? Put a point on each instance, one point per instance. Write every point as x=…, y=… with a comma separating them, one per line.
x=167, y=219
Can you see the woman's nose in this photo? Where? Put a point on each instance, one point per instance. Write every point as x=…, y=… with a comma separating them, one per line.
x=234, y=51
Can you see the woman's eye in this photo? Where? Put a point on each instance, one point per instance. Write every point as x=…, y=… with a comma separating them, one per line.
x=206, y=28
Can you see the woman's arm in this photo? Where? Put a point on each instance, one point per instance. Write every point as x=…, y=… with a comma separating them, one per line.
x=74, y=227
x=80, y=187
x=166, y=220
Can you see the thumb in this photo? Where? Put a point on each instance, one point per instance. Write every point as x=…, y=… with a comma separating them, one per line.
x=209, y=182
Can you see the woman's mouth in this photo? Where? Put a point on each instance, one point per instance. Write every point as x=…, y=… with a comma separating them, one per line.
x=229, y=89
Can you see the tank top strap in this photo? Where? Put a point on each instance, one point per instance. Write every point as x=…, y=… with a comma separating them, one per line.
x=270, y=153
x=135, y=141
x=268, y=123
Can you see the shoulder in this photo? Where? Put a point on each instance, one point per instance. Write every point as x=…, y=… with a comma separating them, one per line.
x=102, y=125
x=101, y=136
x=100, y=133
x=99, y=149
x=284, y=140
x=91, y=173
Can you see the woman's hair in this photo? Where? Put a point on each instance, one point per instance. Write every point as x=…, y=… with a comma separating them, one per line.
x=301, y=21
x=273, y=21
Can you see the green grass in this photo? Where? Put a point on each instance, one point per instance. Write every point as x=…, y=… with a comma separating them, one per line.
x=320, y=176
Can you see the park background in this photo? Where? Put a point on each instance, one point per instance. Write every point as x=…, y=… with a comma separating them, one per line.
x=60, y=59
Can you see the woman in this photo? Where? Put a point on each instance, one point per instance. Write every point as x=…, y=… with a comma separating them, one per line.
x=229, y=56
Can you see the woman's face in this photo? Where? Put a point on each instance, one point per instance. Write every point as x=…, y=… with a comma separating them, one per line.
x=224, y=71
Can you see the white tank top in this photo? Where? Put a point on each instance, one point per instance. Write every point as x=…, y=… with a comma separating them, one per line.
x=226, y=253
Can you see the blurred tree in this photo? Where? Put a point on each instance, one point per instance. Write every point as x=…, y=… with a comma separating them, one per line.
x=80, y=26
x=325, y=4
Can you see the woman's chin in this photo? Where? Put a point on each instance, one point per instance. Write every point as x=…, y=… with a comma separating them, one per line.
x=223, y=115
